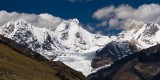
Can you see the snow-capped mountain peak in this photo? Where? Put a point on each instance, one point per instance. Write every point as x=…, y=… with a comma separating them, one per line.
x=12, y=27
x=75, y=20
x=72, y=36
x=145, y=35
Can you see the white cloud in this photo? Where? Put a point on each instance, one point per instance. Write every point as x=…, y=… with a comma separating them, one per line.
x=105, y=12
x=122, y=15
x=38, y=20
x=49, y=17
x=113, y=22
x=41, y=20
x=103, y=23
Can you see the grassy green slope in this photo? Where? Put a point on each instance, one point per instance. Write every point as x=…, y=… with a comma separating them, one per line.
x=14, y=66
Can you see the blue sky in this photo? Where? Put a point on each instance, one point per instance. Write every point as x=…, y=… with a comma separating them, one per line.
x=83, y=10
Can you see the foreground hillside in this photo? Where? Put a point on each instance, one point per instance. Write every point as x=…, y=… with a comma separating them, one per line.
x=15, y=66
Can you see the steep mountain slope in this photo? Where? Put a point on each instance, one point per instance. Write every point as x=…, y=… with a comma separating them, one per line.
x=69, y=43
x=142, y=65
x=73, y=37
x=15, y=66
x=137, y=37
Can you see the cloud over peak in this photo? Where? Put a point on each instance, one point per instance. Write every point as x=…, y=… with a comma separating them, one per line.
x=41, y=20
x=122, y=15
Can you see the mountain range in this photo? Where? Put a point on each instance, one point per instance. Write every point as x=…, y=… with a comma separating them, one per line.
x=81, y=50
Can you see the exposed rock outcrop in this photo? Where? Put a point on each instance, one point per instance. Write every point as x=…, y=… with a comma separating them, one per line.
x=113, y=51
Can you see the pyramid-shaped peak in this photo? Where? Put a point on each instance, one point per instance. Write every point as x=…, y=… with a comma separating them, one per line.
x=74, y=20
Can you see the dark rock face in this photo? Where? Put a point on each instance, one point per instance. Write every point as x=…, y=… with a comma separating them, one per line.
x=142, y=65
x=113, y=51
x=47, y=43
x=98, y=62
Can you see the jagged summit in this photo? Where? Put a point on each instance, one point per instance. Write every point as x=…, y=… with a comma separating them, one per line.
x=136, y=25
x=145, y=35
